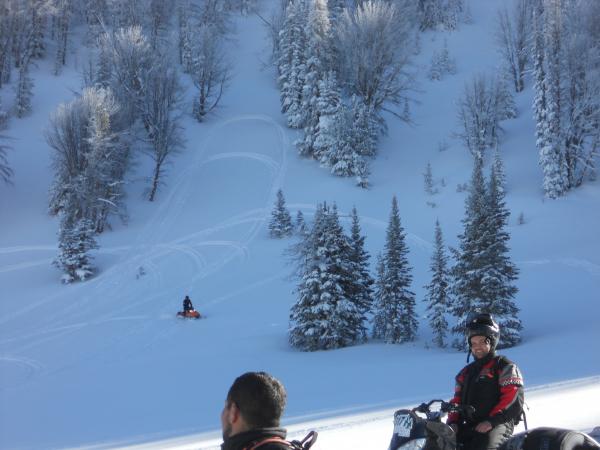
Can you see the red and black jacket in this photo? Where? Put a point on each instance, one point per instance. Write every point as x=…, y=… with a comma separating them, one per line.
x=494, y=387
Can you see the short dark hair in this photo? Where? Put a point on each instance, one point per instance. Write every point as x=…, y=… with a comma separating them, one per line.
x=260, y=398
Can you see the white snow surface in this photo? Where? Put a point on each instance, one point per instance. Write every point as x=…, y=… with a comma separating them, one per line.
x=105, y=363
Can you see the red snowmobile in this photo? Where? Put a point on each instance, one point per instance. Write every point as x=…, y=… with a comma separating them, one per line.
x=191, y=314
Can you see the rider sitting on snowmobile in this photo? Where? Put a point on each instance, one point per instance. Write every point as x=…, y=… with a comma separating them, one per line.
x=492, y=385
x=187, y=304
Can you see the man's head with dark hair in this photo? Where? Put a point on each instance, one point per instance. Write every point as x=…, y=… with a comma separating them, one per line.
x=255, y=400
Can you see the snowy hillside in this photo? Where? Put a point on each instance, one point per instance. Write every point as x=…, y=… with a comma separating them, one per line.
x=105, y=363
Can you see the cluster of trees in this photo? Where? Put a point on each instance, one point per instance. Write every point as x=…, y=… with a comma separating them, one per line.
x=339, y=301
x=132, y=99
x=339, y=68
x=484, y=103
x=442, y=14
x=559, y=43
x=203, y=30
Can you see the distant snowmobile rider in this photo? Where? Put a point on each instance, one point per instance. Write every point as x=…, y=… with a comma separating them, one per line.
x=492, y=385
x=187, y=304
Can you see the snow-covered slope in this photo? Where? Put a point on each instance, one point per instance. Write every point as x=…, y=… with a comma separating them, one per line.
x=105, y=362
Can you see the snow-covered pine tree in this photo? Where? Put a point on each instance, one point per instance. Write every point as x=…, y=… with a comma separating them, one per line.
x=469, y=268
x=292, y=62
x=396, y=315
x=430, y=14
x=328, y=106
x=323, y=316
x=300, y=225
x=498, y=285
x=442, y=63
x=505, y=106
x=24, y=92
x=316, y=57
x=63, y=19
x=552, y=157
x=281, y=221
x=428, y=179
x=498, y=168
x=438, y=290
x=6, y=172
x=379, y=296
x=580, y=105
x=361, y=291
x=75, y=241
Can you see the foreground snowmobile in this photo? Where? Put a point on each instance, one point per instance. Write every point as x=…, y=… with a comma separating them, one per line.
x=415, y=432
x=191, y=314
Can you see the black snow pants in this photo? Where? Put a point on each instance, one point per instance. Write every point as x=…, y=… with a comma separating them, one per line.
x=469, y=439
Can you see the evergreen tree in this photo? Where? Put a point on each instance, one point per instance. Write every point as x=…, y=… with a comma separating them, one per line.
x=484, y=275
x=379, y=297
x=292, y=62
x=328, y=106
x=6, y=172
x=438, y=290
x=281, y=221
x=76, y=239
x=498, y=284
x=361, y=291
x=300, y=225
x=428, y=180
x=469, y=271
x=324, y=317
x=552, y=158
x=24, y=92
x=396, y=303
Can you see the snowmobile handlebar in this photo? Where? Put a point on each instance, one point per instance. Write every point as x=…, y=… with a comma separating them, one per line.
x=445, y=407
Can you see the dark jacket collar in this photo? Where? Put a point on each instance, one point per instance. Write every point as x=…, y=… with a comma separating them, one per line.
x=239, y=441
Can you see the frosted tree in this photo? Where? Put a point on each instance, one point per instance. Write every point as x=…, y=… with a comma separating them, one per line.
x=438, y=290
x=316, y=56
x=512, y=36
x=210, y=70
x=361, y=287
x=89, y=159
x=159, y=15
x=24, y=91
x=469, y=269
x=441, y=64
x=581, y=96
x=324, y=136
x=379, y=296
x=396, y=315
x=300, y=224
x=434, y=14
x=75, y=241
x=281, y=220
x=498, y=285
x=374, y=43
x=552, y=157
x=484, y=103
x=6, y=172
x=160, y=114
x=428, y=180
x=324, y=316
x=292, y=61
x=63, y=22
x=132, y=60
x=566, y=105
